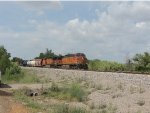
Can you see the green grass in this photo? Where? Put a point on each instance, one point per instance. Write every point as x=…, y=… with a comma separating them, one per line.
x=20, y=95
x=24, y=77
x=51, y=108
x=66, y=109
x=99, y=65
x=72, y=92
x=77, y=92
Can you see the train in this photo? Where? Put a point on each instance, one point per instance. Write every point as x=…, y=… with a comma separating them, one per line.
x=69, y=61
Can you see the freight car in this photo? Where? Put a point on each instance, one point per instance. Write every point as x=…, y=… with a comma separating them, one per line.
x=70, y=61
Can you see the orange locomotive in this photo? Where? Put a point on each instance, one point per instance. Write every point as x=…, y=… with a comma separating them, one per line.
x=75, y=61
x=70, y=61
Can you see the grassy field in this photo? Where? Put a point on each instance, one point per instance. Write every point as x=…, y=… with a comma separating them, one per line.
x=24, y=77
x=99, y=65
x=59, y=99
x=74, y=93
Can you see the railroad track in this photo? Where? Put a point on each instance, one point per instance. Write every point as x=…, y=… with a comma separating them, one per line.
x=126, y=72
x=93, y=75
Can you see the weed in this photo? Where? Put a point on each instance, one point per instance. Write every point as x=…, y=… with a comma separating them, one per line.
x=102, y=106
x=51, y=108
x=62, y=108
x=54, y=87
x=75, y=91
x=24, y=77
x=141, y=90
x=99, y=86
x=20, y=95
x=92, y=105
x=108, y=87
x=116, y=95
x=132, y=89
x=111, y=108
x=92, y=85
x=141, y=102
x=120, y=86
x=103, y=111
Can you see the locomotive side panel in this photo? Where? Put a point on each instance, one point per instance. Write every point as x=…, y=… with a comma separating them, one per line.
x=49, y=61
x=75, y=61
x=69, y=60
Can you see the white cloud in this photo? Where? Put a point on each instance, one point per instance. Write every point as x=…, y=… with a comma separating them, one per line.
x=140, y=24
x=123, y=28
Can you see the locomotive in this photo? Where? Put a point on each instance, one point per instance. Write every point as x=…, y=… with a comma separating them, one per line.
x=69, y=61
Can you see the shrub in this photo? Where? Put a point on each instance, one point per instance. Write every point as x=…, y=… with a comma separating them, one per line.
x=16, y=75
x=77, y=92
x=54, y=87
x=13, y=73
x=98, y=65
x=66, y=92
x=141, y=102
x=49, y=108
x=13, y=70
x=66, y=109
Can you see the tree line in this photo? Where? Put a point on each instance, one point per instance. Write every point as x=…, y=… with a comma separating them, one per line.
x=139, y=63
x=48, y=54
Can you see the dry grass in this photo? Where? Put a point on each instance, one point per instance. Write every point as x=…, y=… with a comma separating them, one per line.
x=107, y=89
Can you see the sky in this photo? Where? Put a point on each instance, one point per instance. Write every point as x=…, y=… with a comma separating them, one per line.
x=102, y=30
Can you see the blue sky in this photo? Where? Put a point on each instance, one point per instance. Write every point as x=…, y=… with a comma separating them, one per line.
x=102, y=30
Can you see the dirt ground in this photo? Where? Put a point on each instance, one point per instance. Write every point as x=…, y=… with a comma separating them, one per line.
x=8, y=104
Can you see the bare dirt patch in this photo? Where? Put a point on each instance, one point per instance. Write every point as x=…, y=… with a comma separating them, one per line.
x=8, y=105
x=18, y=108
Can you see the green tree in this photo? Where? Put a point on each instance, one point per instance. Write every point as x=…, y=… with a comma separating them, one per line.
x=41, y=55
x=47, y=54
x=142, y=62
x=17, y=60
x=4, y=59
